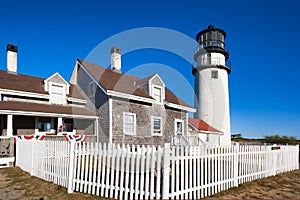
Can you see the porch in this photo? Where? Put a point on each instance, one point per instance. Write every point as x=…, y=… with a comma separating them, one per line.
x=55, y=125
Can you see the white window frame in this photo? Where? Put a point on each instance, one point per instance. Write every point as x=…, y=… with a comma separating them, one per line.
x=134, y=123
x=152, y=126
x=161, y=93
x=64, y=100
x=175, y=126
x=92, y=84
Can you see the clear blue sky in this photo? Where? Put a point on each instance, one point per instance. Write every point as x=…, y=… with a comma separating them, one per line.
x=263, y=37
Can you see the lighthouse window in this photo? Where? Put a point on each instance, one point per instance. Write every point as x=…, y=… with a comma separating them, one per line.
x=214, y=74
x=214, y=35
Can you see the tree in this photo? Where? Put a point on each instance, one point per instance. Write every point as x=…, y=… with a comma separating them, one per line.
x=277, y=139
x=236, y=136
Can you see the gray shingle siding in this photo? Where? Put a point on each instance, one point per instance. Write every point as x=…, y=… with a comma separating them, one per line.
x=83, y=80
x=157, y=81
x=144, y=112
x=143, y=122
x=98, y=104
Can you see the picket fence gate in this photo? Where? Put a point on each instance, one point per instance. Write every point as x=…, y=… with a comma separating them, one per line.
x=148, y=172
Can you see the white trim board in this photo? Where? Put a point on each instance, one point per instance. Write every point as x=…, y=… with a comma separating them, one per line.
x=24, y=94
x=76, y=100
x=35, y=95
x=43, y=114
x=129, y=96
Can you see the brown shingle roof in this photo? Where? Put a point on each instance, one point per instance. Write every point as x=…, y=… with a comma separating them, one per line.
x=172, y=98
x=76, y=93
x=21, y=82
x=202, y=125
x=111, y=80
x=125, y=83
x=26, y=83
x=42, y=108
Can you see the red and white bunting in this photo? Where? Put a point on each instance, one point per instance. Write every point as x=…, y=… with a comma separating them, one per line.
x=28, y=137
x=77, y=138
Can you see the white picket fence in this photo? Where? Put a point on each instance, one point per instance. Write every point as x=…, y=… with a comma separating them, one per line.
x=48, y=160
x=143, y=172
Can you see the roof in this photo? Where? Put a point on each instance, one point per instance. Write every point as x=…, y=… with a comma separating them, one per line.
x=74, y=92
x=202, y=125
x=26, y=83
x=21, y=82
x=34, y=107
x=125, y=83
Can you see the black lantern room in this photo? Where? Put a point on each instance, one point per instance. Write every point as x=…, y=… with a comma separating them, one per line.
x=213, y=40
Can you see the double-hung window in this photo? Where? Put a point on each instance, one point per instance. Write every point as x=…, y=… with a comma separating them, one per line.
x=157, y=94
x=156, y=126
x=178, y=126
x=129, y=123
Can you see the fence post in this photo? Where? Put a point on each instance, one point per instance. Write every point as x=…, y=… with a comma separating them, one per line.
x=274, y=160
x=268, y=161
x=166, y=171
x=32, y=158
x=297, y=157
x=236, y=165
x=17, y=160
x=71, y=166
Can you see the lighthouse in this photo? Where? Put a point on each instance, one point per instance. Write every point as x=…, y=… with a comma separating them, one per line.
x=211, y=81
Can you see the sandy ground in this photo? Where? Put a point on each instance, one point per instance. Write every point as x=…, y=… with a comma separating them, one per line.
x=16, y=184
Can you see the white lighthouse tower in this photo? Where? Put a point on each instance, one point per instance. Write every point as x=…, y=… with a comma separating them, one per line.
x=211, y=81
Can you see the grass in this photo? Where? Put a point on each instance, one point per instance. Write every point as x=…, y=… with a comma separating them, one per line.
x=282, y=186
x=17, y=184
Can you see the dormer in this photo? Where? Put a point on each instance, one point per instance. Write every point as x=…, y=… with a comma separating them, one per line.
x=58, y=89
x=154, y=86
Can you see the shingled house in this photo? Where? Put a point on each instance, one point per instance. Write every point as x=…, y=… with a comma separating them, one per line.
x=40, y=106
x=131, y=109
x=104, y=103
